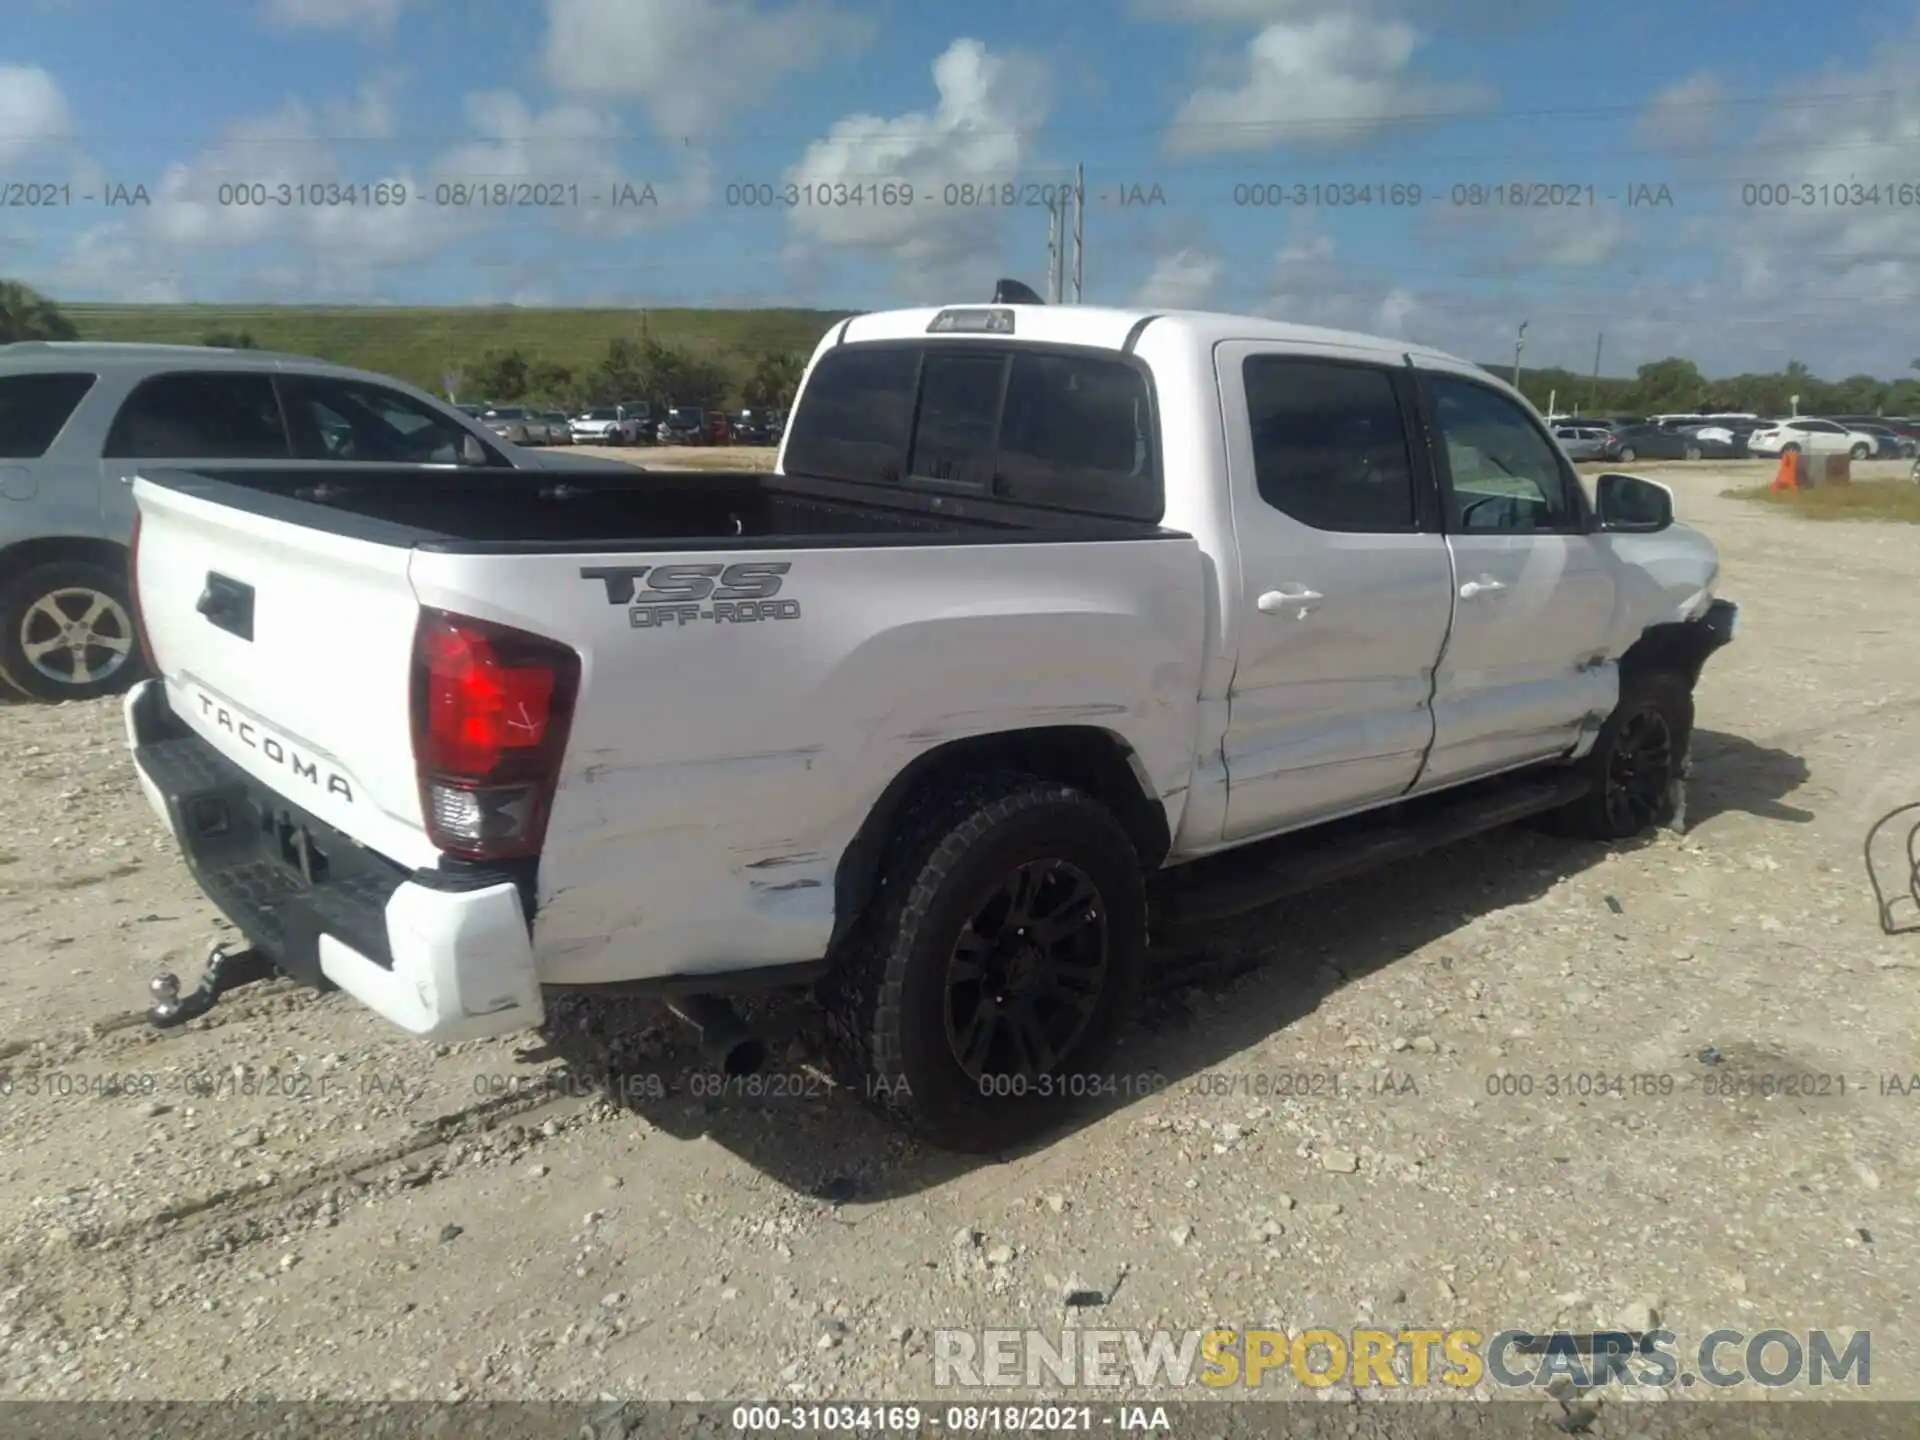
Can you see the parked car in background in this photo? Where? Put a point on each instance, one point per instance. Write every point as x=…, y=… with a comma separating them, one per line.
x=683, y=425
x=1655, y=442
x=79, y=420
x=1814, y=436
x=1587, y=442
x=473, y=412
x=640, y=414
x=752, y=427
x=1892, y=444
x=515, y=424
x=559, y=427
x=604, y=425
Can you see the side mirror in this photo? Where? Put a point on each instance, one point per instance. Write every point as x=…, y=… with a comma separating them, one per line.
x=472, y=452
x=1631, y=504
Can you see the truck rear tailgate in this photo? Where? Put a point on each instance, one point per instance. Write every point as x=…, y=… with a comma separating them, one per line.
x=289, y=650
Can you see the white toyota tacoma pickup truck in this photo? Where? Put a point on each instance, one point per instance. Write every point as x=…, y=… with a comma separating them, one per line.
x=1052, y=623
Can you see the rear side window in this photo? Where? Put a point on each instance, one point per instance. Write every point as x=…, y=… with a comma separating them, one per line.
x=1329, y=445
x=34, y=409
x=853, y=421
x=224, y=415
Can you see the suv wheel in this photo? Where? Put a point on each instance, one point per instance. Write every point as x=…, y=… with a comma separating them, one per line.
x=1859, y=452
x=982, y=991
x=1692, y=452
x=67, y=632
x=1628, y=454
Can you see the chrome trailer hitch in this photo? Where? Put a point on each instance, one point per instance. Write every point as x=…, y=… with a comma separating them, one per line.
x=225, y=970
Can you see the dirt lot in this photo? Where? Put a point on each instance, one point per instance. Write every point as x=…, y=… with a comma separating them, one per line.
x=295, y=1201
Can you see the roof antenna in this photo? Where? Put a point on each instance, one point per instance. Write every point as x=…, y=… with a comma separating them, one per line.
x=1012, y=292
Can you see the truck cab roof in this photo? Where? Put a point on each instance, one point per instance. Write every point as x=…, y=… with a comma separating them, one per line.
x=1117, y=329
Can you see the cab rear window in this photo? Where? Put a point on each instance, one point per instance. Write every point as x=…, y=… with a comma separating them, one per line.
x=1065, y=429
x=34, y=409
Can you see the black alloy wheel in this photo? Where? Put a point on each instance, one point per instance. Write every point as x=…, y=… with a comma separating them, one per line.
x=1028, y=972
x=1640, y=770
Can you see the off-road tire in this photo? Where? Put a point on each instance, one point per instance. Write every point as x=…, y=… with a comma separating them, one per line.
x=885, y=996
x=1593, y=816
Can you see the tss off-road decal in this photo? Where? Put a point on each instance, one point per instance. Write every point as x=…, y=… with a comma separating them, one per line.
x=677, y=595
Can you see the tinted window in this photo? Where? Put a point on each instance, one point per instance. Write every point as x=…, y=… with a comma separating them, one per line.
x=1329, y=448
x=1077, y=433
x=34, y=409
x=217, y=416
x=349, y=420
x=1506, y=475
x=853, y=420
x=959, y=408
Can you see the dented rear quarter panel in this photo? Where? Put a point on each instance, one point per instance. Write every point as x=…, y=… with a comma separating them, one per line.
x=718, y=769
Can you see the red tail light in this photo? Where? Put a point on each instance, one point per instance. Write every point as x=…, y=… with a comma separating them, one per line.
x=492, y=707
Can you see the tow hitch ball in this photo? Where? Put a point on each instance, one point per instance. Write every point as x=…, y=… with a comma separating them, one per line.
x=226, y=970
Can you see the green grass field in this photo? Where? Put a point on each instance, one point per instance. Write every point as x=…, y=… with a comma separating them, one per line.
x=422, y=344
x=1862, y=500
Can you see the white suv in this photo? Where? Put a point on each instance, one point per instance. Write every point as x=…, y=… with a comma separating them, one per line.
x=79, y=419
x=1815, y=437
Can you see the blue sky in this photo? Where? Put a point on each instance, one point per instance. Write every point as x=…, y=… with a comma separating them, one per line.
x=1221, y=116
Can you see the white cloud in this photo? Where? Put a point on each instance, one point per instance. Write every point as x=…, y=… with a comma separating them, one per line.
x=1452, y=16
x=694, y=64
x=1825, y=273
x=982, y=130
x=1184, y=280
x=1226, y=12
x=1687, y=113
x=572, y=146
x=200, y=233
x=1328, y=80
x=33, y=112
x=108, y=263
x=378, y=16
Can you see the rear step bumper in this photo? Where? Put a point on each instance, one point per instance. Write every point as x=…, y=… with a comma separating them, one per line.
x=442, y=956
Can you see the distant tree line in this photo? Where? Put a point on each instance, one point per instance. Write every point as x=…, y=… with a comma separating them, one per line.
x=643, y=369
x=1675, y=386
x=646, y=369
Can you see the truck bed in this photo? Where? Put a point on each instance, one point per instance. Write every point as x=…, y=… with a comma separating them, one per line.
x=563, y=511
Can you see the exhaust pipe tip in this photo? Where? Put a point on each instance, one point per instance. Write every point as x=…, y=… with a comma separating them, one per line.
x=723, y=1034
x=746, y=1057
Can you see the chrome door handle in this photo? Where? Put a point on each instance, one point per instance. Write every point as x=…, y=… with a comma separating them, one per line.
x=1485, y=585
x=1278, y=602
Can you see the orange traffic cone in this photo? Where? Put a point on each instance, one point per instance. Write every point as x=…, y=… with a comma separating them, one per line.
x=1788, y=475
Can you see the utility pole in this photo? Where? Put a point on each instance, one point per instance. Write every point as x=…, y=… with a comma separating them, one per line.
x=1079, y=226
x=1593, y=393
x=1519, y=344
x=1055, y=240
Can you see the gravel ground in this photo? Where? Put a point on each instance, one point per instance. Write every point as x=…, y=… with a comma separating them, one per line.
x=290, y=1200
